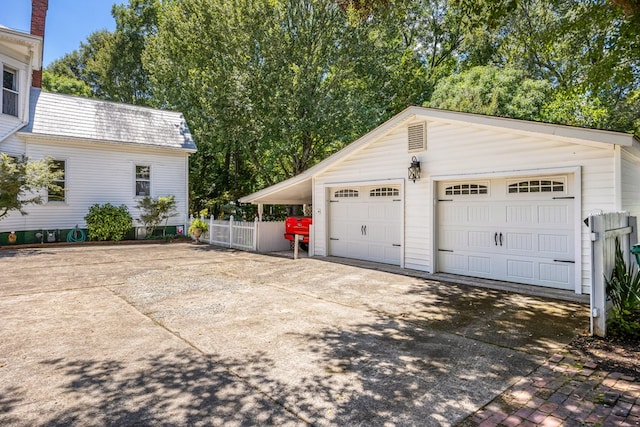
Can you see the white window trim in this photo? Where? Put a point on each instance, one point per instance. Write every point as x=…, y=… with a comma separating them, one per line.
x=23, y=81
x=135, y=180
x=17, y=92
x=66, y=182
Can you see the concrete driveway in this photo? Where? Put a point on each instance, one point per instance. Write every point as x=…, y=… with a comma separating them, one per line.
x=183, y=334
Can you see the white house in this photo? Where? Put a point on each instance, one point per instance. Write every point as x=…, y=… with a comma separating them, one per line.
x=109, y=152
x=496, y=198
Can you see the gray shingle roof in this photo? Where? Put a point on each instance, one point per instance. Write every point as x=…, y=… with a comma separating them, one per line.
x=57, y=115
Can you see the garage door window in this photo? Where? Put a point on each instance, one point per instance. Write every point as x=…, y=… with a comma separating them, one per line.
x=537, y=186
x=466, y=189
x=346, y=193
x=384, y=192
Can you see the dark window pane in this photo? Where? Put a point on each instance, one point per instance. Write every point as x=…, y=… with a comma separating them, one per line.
x=143, y=188
x=58, y=194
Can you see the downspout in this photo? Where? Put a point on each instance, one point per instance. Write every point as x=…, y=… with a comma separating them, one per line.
x=186, y=194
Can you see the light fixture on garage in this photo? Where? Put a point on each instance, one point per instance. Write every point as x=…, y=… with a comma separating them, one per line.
x=414, y=169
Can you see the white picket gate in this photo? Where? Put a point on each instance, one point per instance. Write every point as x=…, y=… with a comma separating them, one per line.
x=605, y=228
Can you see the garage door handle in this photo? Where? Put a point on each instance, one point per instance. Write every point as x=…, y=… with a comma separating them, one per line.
x=333, y=238
x=362, y=230
x=500, y=239
x=565, y=261
x=495, y=239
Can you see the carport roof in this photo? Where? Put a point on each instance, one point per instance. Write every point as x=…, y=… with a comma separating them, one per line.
x=294, y=191
x=298, y=190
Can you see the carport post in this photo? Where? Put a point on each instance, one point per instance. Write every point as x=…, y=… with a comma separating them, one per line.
x=295, y=246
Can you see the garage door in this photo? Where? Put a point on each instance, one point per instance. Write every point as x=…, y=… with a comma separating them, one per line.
x=365, y=223
x=518, y=230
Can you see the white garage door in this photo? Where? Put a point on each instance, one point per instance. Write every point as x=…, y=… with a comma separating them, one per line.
x=518, y=230
x=365, y=223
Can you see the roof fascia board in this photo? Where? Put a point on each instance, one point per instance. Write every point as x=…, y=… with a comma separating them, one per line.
x=32, y=42
x=357, y=145
x=296, y=180
x=57, y=139
x=573, y=134
x=576, y=134
x=363, y=141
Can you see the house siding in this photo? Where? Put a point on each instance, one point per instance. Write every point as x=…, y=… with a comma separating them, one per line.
x=105, y=178
x=455, y=149
x=12, y=145
x=630, y=182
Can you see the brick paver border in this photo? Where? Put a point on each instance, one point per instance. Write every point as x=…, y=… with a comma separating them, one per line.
x=564, y=391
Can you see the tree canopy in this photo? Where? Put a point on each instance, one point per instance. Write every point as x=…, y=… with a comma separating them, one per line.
x=271, y=87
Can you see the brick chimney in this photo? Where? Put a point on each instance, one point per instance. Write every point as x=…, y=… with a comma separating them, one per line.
x=38, y=19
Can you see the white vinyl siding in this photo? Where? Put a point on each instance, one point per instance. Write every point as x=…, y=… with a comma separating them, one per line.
x=12, y=145
x=630, y=182
x=102, y=173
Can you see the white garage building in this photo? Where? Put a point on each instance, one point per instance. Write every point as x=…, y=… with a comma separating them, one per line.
x=497, y=198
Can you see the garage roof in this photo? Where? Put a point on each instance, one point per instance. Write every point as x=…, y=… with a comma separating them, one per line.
x=298, y=190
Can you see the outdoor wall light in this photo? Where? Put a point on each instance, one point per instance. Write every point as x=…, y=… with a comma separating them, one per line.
x=414, y=169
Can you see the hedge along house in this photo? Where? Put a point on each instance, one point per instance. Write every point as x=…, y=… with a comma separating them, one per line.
x=495, y=198
x=109, y=152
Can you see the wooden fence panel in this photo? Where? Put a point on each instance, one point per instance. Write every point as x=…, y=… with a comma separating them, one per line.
x=605, y=229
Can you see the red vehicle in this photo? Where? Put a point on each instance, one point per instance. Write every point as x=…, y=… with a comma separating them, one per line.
x=299, y=226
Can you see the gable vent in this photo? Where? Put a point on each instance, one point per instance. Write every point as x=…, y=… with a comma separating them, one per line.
x=418, y=137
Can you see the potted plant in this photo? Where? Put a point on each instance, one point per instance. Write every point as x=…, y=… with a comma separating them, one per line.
x=197, y=227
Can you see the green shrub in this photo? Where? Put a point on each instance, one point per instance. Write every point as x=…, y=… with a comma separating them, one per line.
x=153, y=212
x=108, y=222
x=623, y=290
x=198, y=223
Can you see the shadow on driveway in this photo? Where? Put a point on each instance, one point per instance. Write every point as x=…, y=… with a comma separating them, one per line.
x=186, y=336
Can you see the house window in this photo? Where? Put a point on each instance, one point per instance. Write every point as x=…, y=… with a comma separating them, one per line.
x=384, y=192
x=346, y=193
x=536, y=186
x=466, y=189
x=143, y=180
x=58, y=194
x=9, y=91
